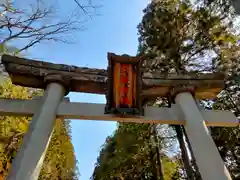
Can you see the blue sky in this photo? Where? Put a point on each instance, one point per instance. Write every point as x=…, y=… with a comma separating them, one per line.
x=113, y=31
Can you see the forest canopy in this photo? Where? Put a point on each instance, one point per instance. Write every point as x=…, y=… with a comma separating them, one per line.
x=178, y=37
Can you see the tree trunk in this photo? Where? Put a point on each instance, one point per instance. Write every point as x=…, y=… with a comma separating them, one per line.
x=185, y=158
x=153, y=162
x=157, y=173
x=197, y=173
x=159, y=163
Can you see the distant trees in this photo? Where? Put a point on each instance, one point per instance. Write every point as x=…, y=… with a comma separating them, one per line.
x=60, y=161
x=133, y=152
x=178, y=37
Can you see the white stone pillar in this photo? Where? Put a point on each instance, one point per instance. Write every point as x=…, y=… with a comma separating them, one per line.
x=29, y=159
x=208, y=159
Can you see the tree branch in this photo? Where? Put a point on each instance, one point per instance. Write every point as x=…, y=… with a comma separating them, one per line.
x=20, y=24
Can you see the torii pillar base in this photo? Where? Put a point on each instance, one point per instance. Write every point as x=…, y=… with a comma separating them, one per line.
x=28, y=162
x=208, y=159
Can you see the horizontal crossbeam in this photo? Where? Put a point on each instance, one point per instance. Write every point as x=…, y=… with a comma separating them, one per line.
x=31, y=73
x=91, y=111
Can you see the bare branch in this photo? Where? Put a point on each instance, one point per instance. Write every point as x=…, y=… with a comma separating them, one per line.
x=31, y=25
x=83, y=9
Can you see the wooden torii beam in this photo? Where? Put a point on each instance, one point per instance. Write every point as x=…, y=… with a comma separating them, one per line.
x=31, y=73
x=57, y=79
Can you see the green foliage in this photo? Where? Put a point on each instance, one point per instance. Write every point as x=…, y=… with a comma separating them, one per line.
x=227, y=139
x=130, y=153
x=7, y=49
x=60, y=161
x=173, y=36
x=227, y=7
x=176, y=36
x=11, y=129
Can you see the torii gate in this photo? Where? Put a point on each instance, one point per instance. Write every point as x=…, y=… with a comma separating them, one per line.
x=58, y=80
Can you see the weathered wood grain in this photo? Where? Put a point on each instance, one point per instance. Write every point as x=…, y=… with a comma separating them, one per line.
x=31, y=73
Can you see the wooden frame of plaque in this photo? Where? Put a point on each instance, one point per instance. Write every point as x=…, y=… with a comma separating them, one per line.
x=124, y=85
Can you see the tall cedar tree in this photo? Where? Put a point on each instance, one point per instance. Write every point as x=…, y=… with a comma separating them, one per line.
x=227, y=59
x=174, y=37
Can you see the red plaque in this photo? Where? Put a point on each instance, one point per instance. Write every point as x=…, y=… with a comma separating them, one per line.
x=124, y=85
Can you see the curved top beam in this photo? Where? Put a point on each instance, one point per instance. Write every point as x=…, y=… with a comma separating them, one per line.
x=31, y=73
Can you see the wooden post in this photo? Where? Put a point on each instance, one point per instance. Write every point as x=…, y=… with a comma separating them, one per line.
x=208, y=159
x=29, y=159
